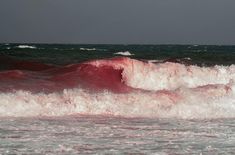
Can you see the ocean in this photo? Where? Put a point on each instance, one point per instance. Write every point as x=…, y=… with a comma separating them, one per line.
x=117, y=99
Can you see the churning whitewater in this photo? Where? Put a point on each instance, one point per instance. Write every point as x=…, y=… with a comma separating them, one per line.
x=118, y=86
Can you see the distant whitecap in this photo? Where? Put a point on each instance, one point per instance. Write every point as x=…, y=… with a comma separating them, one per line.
x=126, y=53
x=87, y=49
x=26, y=46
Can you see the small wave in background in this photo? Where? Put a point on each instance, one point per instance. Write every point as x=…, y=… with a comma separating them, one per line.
x=26, y=46
x=126, y=53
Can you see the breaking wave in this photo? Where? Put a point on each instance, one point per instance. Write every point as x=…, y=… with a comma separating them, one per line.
x=120, y=87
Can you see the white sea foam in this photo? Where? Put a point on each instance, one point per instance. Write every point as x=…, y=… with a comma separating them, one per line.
x=126, y=53
x=172, y=76
x=26, y=46
x=191, y=104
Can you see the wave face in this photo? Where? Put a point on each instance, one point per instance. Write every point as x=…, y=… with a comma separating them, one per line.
x=120, y=87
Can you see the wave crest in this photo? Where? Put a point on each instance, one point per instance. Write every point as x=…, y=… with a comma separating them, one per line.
x=170, y=76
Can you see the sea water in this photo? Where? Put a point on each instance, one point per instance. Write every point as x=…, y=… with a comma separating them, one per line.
x=117, y=99
x=115, y=135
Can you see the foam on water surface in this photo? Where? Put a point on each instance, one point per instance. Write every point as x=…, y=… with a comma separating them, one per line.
x=86, y=134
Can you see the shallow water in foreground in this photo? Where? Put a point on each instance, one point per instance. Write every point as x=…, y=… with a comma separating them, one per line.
x=114, y=135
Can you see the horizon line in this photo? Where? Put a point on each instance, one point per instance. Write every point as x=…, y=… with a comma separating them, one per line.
x=126, y=44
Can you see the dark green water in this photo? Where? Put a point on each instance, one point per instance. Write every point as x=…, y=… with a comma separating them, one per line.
x=67, y=54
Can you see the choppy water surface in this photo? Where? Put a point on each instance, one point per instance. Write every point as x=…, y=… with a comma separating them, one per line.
x=113, y=135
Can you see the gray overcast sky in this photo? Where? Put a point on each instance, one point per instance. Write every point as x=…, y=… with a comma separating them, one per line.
x=118, y=21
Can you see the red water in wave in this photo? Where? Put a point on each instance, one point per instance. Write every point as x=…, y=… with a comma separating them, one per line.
x=92, y=77
x=116, y=86
x=37, y=77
